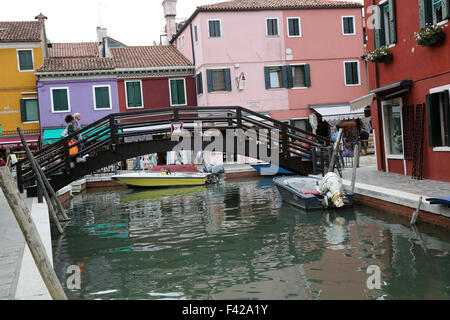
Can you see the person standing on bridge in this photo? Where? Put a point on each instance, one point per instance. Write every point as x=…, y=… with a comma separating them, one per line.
x=77, y=127
x=70, y=120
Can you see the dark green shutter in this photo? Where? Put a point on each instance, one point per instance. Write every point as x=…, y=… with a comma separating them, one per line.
x=392, y=22
x=60, y=98
x=23, y=110
x=102, y=98
x=211, y=29
x=290, y=76
x=26, y=60
x=446, y=98
x=227, y=79
x=209, y=80
x=130, y=95
x=137, y=94
x=181, y=95
x=445, y=10
x=267, y=77
x=307, y=75
x=433, y=115
x=377, y=37
x=355, y=72
x=425, y=12
x=290, y=27
x=348, y=73
x=174, y=91
x=199, y=83
x=284, y=76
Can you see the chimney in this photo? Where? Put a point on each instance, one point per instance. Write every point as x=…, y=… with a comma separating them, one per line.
x=41, y=18
x=102, y=47
x=170, y=12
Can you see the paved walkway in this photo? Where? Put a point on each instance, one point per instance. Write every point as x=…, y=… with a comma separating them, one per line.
x=12, y=246
x=370, y=175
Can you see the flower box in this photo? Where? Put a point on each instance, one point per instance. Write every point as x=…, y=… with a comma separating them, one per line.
x=387, y=58
x=380, y=55
x=430, y=35
x=435, y=39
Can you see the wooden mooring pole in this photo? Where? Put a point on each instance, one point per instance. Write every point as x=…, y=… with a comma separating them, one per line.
x=355, y=165
x=416, y=213
x=335, y=151
x=31, y=234
x=34, y=167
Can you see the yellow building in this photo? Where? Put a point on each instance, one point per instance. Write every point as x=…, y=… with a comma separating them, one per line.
x=23, y=46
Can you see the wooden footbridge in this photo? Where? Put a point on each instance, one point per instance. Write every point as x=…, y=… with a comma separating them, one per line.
x=122, y=136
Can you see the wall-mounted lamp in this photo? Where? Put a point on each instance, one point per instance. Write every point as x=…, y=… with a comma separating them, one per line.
x=241, y=81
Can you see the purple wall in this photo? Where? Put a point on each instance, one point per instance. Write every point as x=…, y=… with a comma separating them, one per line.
x=81, y=100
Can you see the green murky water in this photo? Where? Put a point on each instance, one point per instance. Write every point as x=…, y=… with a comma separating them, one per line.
x=237, y=240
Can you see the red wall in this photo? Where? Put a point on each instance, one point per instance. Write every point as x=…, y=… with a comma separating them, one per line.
x=429, y=67
x=156, y=93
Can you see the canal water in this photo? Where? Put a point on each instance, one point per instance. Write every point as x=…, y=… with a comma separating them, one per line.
x=238, y=240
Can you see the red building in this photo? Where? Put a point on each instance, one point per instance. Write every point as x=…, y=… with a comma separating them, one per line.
x=150, y=77
x=418, y=76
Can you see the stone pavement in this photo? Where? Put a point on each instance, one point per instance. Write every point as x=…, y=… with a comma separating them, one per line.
x=370, y=175
x=12, y=246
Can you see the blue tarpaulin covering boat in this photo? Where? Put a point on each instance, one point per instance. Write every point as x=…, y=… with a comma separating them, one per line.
x=266, y=169
x=445, y=201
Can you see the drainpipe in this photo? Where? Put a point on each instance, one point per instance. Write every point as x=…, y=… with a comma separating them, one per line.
x=193, y=61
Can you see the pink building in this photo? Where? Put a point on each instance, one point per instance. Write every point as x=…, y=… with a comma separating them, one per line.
x=282, y=57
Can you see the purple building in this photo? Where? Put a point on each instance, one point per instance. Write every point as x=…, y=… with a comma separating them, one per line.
x=76, y=78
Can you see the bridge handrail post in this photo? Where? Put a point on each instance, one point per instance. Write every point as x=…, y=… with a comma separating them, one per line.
x=239, y=117
x=284, y=140
x=67, y=156
x=314, y=159
x=112, y=130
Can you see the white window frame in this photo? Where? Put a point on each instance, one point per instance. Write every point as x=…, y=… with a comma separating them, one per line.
x=68, y=99
x=221, y=30
x=32, y=98
x=354, y=26
x=297, y=88
x=398, y=101
x=95, y=99
x=437, y=90
x=18, y=60
x=359, y=74
x=278, y=27
x=126, y=94
x=299, y=27
x=170, y=92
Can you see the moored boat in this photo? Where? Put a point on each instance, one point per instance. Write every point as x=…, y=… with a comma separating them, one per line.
x=314, y=193
x=267, y=169
x=162, y=179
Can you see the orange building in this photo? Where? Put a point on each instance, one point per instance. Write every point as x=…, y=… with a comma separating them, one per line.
x=23, y=47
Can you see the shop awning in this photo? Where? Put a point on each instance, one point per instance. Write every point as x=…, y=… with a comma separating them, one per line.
x=16, y=143
x=362, y=102
x=52, y=135
x=337, y=112
x=393, y=89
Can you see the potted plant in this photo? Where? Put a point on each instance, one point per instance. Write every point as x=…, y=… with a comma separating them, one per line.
x=430, y=35
x=379, y=55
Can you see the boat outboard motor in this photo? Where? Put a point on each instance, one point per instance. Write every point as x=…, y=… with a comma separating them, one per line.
x=332, y=189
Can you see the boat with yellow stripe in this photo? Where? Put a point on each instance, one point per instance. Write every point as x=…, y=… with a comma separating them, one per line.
x=163, y=179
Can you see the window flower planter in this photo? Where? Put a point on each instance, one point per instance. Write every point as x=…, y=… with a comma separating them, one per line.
x=430, y=35
x=380, y=55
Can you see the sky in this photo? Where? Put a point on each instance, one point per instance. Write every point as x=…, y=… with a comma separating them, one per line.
x=133, y=22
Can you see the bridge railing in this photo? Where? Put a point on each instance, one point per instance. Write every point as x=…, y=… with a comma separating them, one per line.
x=118, y=128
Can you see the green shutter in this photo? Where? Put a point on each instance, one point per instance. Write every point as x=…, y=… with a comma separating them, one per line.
x=26, y=60
x=174, y=92
x=348, y=73
x=102, y=98
x=290, y=76
x=434, y=126
x=23, y=111
x=377, y=38
x=130, y=95
x=181, y=96
x=267, y=77
x=392, y=22
x=227, y=75
x=60, y=100
x=425, y=12
x=445, y=10
x=290, y=27
x=209, y=80
x=199, y=83
x=284, y=77
x=138, y=94
x=446, y=98
x=307, y=75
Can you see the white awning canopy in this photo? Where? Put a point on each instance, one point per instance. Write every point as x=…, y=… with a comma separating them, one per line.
x=362, y=102
x=337, y=112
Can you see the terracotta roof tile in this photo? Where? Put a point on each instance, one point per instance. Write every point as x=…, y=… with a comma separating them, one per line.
x=73, y=50
x=76, y=64
x=23, y=31
x=148, y=57
x=277, y=4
